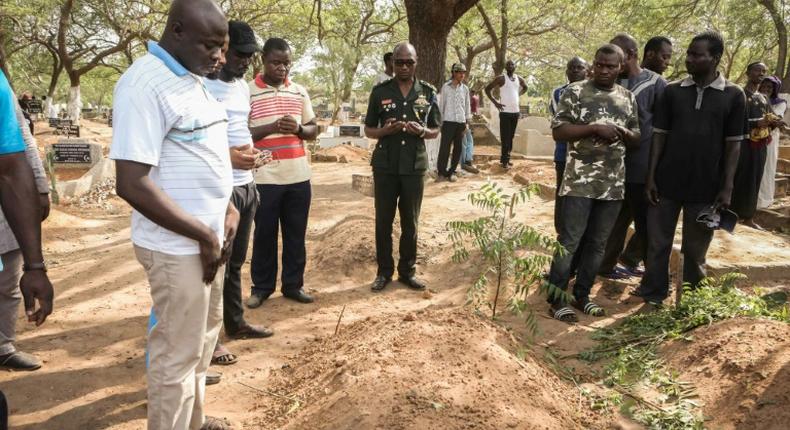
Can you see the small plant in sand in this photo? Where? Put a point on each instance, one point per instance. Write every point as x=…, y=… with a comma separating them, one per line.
x=514, y=253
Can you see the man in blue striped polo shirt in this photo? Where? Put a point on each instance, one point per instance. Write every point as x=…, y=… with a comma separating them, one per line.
x=170, y=144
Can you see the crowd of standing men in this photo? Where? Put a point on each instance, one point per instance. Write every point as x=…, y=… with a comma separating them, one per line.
x=632, y=148
x=202, y=155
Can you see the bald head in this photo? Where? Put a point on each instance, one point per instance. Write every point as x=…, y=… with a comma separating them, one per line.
x=630, y=54
x=194, y=34
x=625, y=42
x=406, y=47
x=404, y=61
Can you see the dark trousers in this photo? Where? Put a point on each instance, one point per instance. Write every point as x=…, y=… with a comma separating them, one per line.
x=634, y=209
x=404, y=193
x=507, y=129
x=452, y=134
x=662, y=221
x=245, y=199
x=283, y=207
x=748, y=176
x=559, y=170
x=594, y=220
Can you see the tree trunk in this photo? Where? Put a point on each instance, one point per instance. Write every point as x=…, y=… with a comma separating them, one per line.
x=53, y=84
x=74, y=108
x=782, y=62
x=429, y=25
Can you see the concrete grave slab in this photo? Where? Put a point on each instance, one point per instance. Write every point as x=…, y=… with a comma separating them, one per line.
x=539, y=123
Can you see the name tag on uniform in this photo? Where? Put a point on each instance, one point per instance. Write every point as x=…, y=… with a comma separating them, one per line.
x=387, y=104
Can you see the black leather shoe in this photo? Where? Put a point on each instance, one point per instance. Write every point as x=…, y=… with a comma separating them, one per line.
x=380, y=282
x=299, y=295
x=412, y=282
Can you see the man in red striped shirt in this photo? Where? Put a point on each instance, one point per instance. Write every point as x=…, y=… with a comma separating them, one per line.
x=281, y=119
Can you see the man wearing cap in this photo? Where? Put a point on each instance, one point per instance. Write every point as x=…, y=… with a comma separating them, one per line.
x=228, y=86
x=454, y=105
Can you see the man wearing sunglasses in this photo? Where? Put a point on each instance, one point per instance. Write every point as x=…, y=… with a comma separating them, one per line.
x=402, y=113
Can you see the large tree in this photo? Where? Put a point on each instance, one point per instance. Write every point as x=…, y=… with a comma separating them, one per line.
x=349, y=29
x=81, y=35
x=430, y=23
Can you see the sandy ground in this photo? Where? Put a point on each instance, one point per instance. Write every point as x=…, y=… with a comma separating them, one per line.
x=93, y=344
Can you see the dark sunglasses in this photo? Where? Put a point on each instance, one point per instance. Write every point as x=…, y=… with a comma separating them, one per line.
x=400, y=63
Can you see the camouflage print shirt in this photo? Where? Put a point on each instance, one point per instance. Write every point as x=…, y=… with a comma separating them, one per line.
x=595, y=169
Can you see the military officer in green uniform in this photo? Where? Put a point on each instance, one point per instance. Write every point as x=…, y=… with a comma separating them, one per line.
x=402, y=113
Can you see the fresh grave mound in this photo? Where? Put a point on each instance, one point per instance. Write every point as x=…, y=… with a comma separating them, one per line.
x=535, y=171
x=348, y=248
x=741, y=370
x=435, y=369
x=345, y=152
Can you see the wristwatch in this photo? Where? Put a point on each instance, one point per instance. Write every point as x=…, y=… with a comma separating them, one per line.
x=34, y=266
x=424, y=130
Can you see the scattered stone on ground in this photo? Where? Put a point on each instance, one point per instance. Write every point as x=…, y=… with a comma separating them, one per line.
x=98, y=197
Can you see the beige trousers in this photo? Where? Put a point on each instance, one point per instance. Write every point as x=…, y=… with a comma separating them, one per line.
x=10, y=297
x=180, y=344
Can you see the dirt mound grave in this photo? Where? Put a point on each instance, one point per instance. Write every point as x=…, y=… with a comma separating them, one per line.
x=435, y=369
x=741, y=371
x=348, y=248
x=344, y=153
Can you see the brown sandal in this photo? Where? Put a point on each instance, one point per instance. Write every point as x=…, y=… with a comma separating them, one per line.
x=222, y=356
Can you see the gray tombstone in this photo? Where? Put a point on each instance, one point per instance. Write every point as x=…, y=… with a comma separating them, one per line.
x=75, y=153
x=350, y=131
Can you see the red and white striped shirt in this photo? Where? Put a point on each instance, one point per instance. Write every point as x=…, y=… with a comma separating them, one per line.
x=267, y=105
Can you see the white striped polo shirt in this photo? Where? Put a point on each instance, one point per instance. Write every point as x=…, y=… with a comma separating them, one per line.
x=268, y=104
x=164, y=116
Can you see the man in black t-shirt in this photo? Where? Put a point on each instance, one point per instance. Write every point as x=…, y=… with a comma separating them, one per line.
x=698, y=126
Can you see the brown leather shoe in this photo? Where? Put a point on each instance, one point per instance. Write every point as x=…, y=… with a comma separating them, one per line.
x=19, y=360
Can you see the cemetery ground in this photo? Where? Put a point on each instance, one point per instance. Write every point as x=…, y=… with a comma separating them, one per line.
x=398, y=359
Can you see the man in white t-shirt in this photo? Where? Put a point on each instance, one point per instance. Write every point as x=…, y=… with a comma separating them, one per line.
x=229, y=88
x=511, y=87
x=170, y=146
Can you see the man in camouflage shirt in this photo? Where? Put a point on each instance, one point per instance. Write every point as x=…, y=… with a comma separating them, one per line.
x=598, y=119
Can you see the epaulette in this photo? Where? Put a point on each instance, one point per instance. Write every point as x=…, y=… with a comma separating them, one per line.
x=427, y=84
x=382, y=83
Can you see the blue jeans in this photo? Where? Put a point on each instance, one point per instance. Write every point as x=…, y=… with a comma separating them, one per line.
x=468, y=145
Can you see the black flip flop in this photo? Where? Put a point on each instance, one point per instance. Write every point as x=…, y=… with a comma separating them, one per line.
x=564, y=314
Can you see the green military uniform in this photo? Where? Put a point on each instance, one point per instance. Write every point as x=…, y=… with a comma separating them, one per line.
x=399, y=163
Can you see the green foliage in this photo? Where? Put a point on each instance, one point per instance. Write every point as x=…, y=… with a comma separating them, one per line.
x=632, y=347
x=514, y=254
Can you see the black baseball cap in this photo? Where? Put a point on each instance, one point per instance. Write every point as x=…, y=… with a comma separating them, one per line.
x=242, y=38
